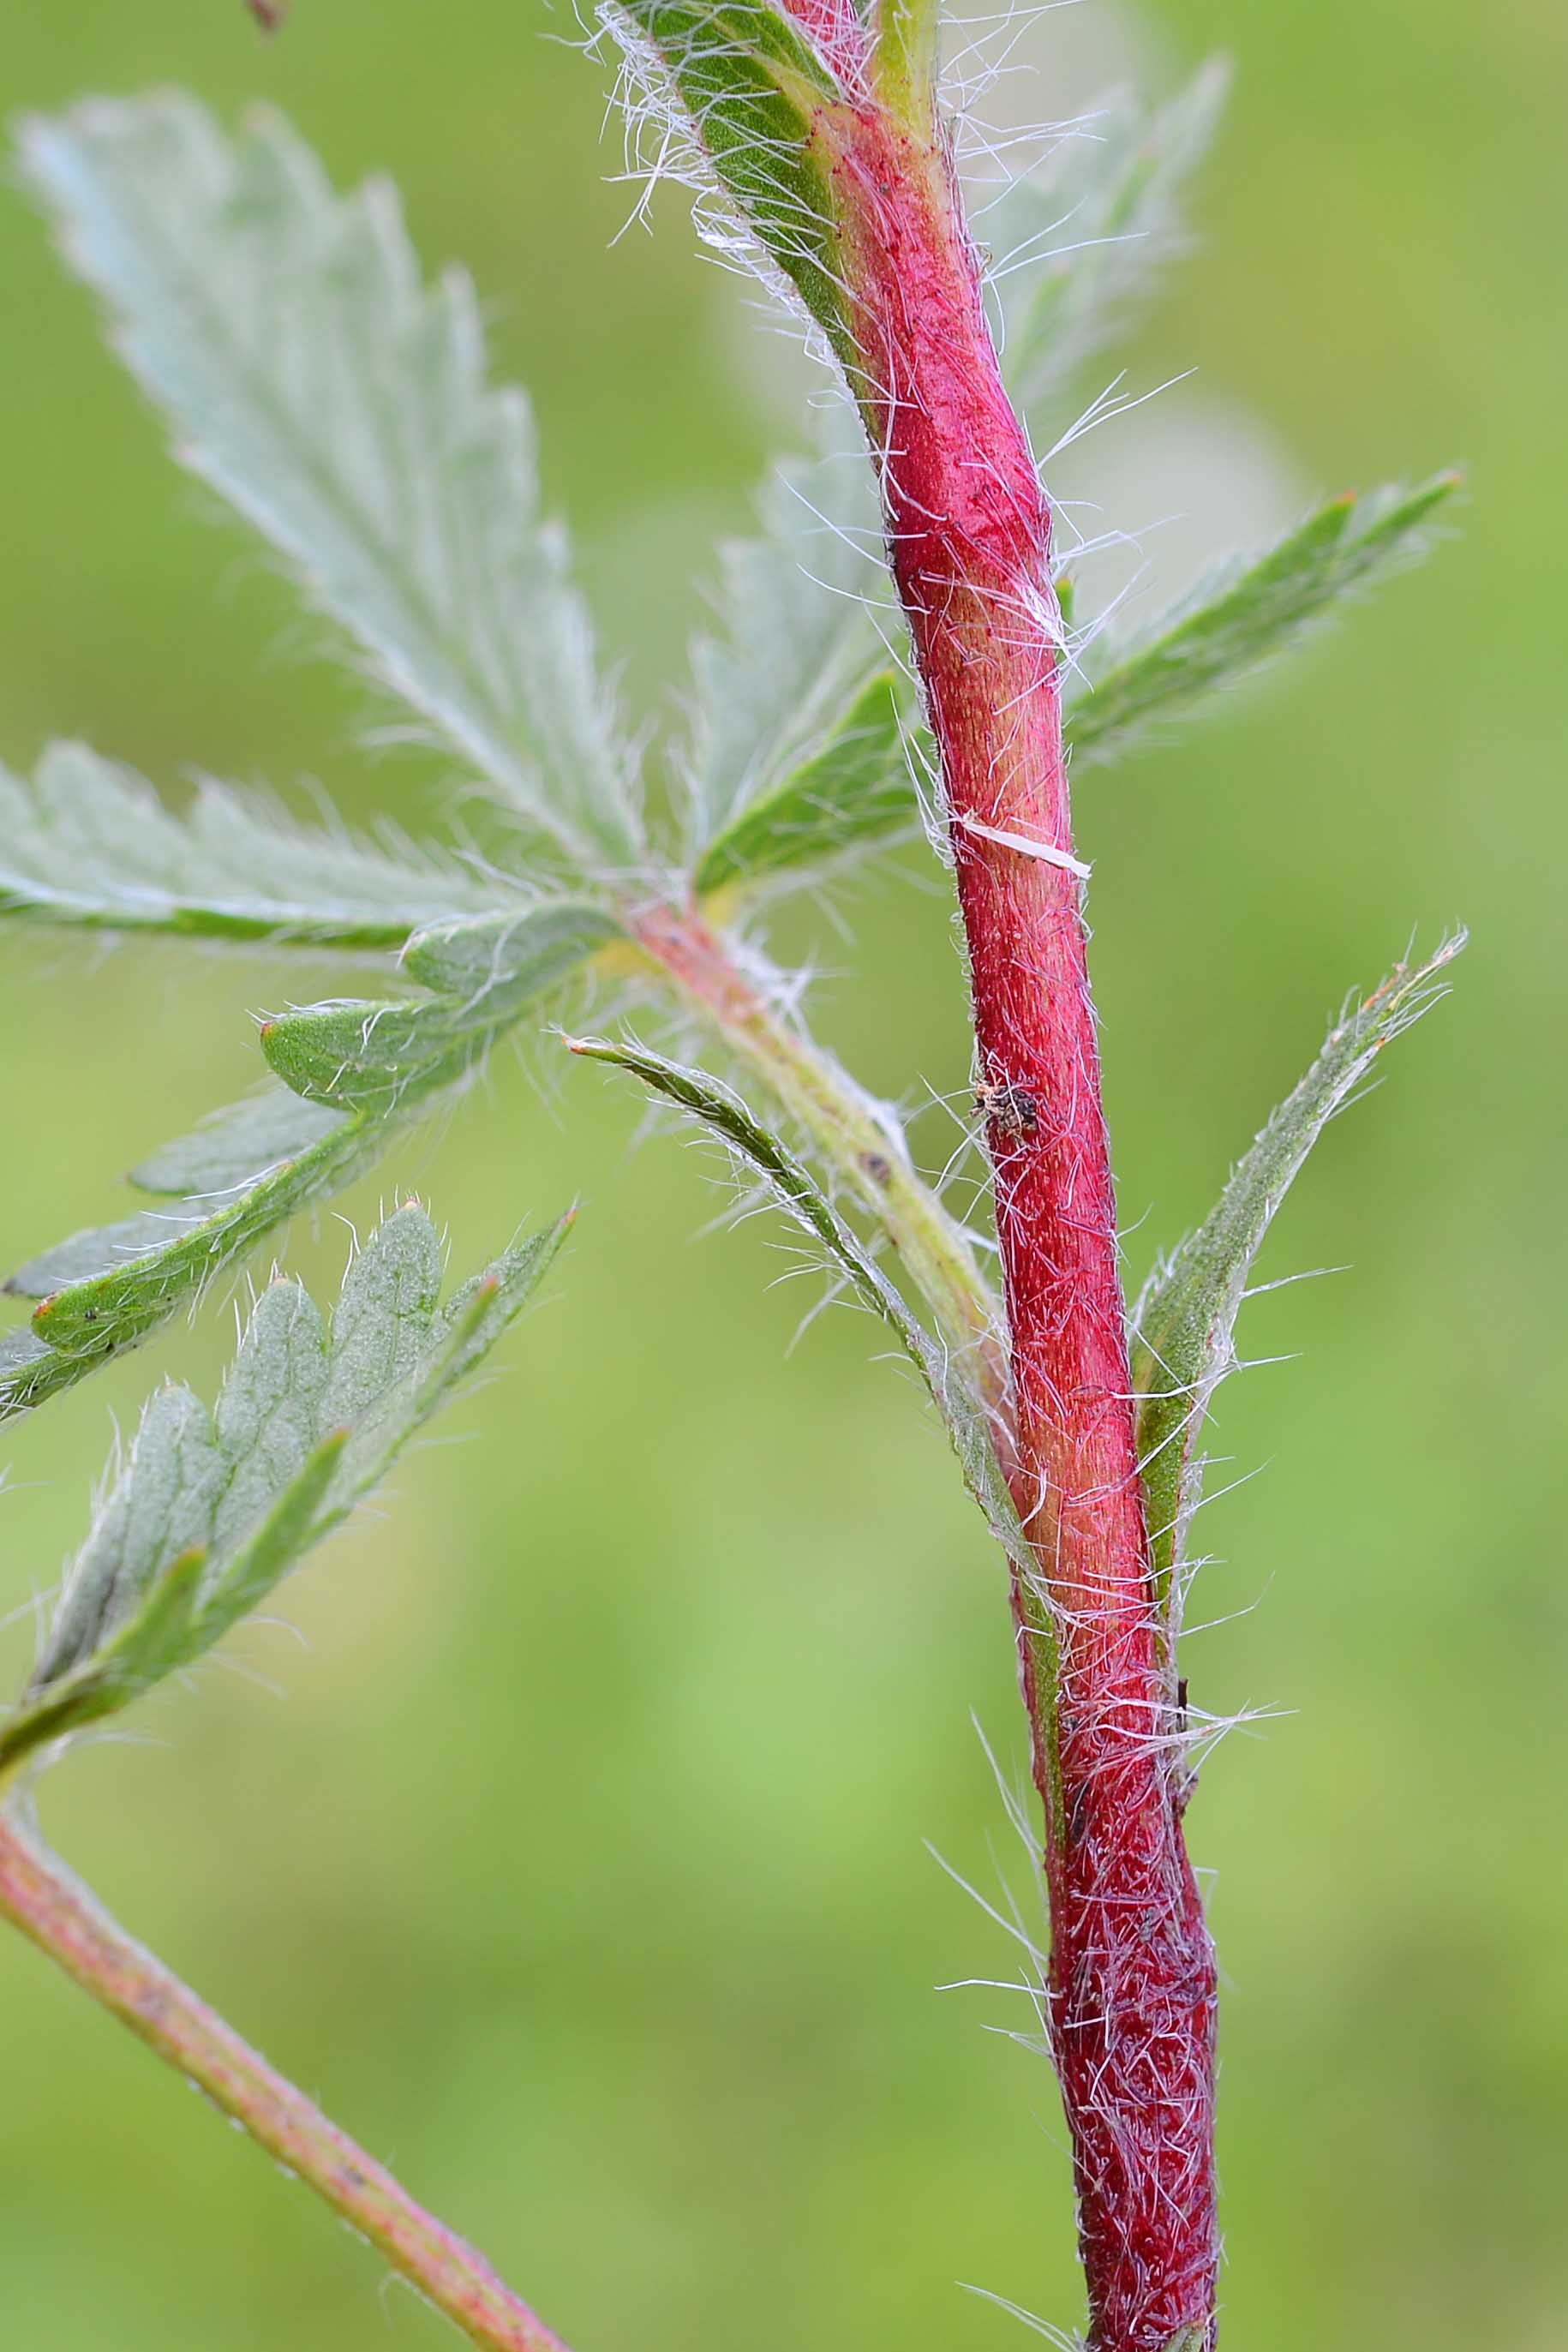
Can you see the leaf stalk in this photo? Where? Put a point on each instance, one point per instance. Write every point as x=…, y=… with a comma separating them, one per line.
x=863, y=1150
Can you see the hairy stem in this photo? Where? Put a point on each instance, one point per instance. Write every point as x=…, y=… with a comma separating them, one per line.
x=839, y=36
x=906, y=60
x=862, y=1151
x=1133, y=1979
x=39, y=1895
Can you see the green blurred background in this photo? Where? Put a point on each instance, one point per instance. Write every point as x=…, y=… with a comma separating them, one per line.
x=577, y=1858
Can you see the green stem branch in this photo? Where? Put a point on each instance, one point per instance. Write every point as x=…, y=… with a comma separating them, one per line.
x=906, y=62
x=869, y=1160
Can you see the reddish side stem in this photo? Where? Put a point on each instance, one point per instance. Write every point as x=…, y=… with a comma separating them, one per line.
x=40, y=1897
x=1132, y=1976
x=837, y=33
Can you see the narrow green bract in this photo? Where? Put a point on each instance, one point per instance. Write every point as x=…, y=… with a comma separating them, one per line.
x=1243, y=613
x=1184, y=1324
x=797, y=1193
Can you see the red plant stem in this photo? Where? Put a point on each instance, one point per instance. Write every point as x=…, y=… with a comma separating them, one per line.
x=41, y=1898
x=1131, y=1991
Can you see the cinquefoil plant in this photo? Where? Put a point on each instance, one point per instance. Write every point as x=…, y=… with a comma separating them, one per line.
x=311, y=376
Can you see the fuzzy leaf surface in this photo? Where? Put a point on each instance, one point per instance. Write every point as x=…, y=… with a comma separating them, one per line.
x=210, y=1511
x=519, y=955
x=353, y=1074
x=374, y=1059
x=89, y=842
x=380, y=1059
x=149, y=1521
x=1184, y=1323
x=1238, y=617
x=798, y=758
x=796, y=645
x=340, y=404
x=231, y=1146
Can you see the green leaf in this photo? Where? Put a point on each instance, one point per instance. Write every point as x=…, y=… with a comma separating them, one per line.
x=384, y=1058
x=269, y=1407
x=1074, y=244
x=385, y=1315
x=1184, y=1322
x=853, y=790
x=355, y=1073
x=460, y=1337
x=296, y=1518
x=751, y=84
x=231, y=1146
x=341, y=405
x=155, y=1641
x=798, y=644
x=520, y=955
x=376, y=1059
x=799, y=757
x=91, y=844
x=1239, y=615
x=22, y=1361
x=104, y=1290
x=160, y=1509
x=723, y=1113
x=100, y=1250
x=210, y=1512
